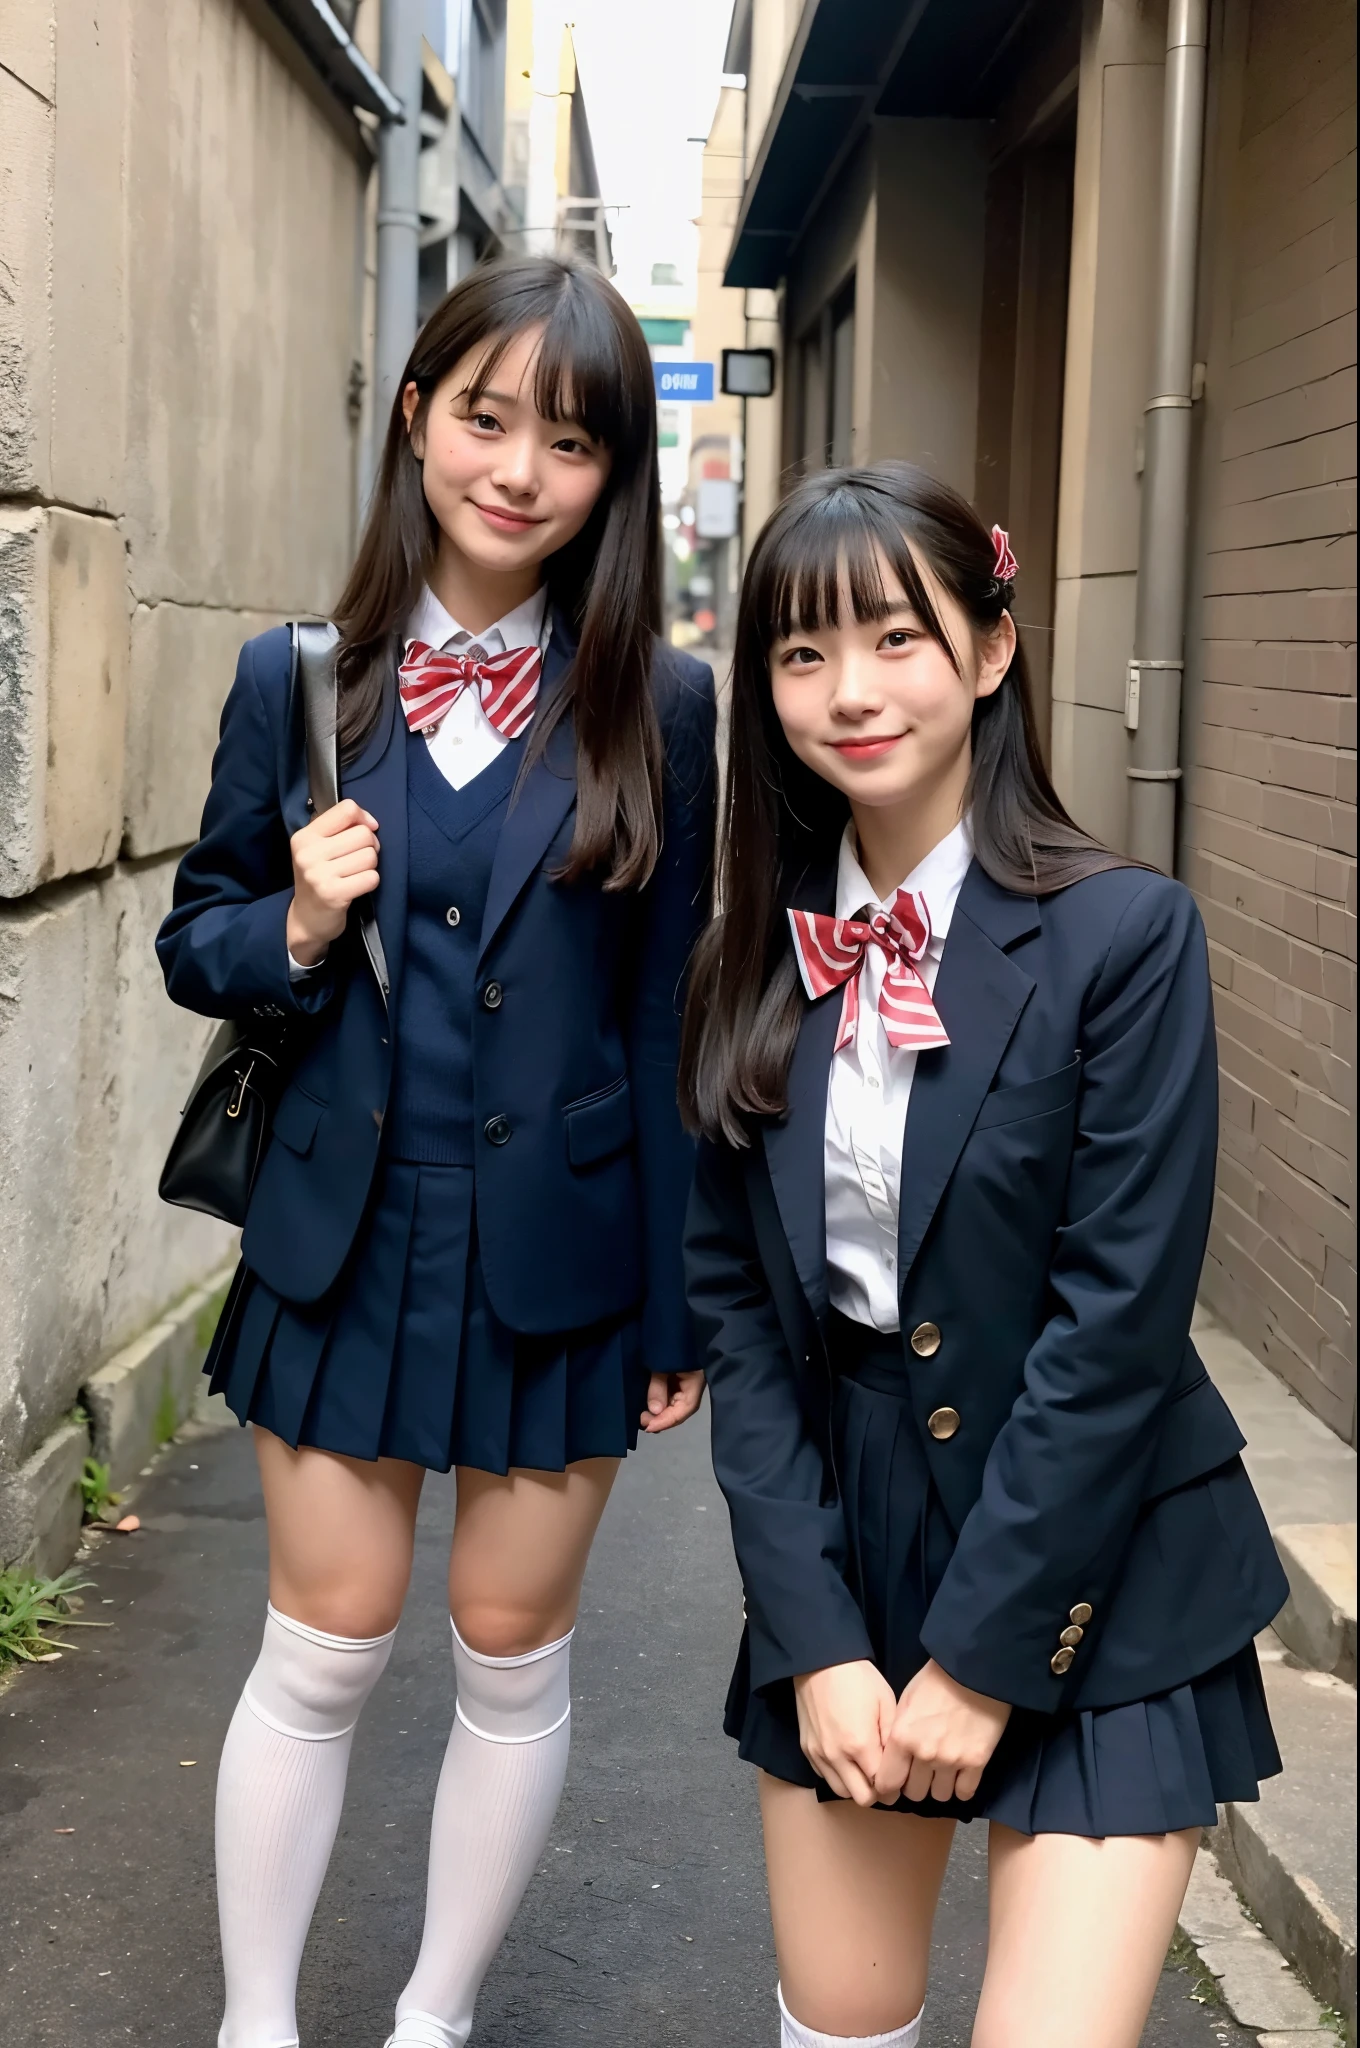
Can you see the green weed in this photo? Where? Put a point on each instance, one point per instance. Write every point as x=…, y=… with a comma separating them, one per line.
x=167, y=1418
x=95, y=1491
x=29, y=1606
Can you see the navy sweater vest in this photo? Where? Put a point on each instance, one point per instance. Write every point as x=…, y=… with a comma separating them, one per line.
x=451, y=838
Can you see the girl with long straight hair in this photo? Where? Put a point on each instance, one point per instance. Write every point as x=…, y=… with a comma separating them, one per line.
x=463, y=1247
x=954, y=1065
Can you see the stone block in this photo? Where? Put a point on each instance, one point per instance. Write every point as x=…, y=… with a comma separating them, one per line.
x=41, y=1505
x=89, y=254
x=183, y=660
x=63, y=695
x=141, y=1396
x=1318, y=1619
x=240, y=469
x=94, y=1065
x=27, y=123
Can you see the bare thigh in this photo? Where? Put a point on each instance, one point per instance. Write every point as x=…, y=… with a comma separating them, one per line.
x=341, y=1532
x=520, y=1545
x=1079, y=1934
x=852, y=1897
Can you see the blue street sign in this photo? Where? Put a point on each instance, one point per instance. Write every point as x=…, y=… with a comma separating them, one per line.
x=686, y=383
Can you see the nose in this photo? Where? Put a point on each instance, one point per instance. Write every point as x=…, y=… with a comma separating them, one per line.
x=516, y=470
x=857, y=692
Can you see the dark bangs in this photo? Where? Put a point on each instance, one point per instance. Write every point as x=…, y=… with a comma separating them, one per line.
x=828, y=553
x=580, y=376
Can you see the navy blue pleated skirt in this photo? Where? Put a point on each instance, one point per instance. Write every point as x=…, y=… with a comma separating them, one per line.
x=406, y=1358
x=1147, y=1768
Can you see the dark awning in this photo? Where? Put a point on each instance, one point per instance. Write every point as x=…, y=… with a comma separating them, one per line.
x=849, y=60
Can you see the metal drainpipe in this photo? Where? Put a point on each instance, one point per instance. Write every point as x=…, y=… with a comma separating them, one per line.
x=1153, y=707
x=398, y=284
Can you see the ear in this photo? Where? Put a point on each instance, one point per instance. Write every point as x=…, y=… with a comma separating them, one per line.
x=995, y=656
x=410, y=403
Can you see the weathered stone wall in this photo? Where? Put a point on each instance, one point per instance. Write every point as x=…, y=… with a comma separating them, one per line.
x=179, y=206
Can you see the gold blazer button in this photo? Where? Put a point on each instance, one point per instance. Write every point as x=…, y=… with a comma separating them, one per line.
x=1061, y=1661
x=1081, y=1613
x=925, y=1340
x=943, y=1423
x=1070, y=1637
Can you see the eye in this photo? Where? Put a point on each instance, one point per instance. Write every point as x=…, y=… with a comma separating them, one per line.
x=485, y=422
x=799, y=657
x=569, y=445
x=897, y=638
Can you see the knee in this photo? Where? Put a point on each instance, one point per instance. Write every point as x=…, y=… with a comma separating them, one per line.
x=494, y=1629
x=313, y=1682
x=357, y=1612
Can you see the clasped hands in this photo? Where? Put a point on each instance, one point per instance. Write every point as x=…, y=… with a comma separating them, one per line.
x=872, y=1747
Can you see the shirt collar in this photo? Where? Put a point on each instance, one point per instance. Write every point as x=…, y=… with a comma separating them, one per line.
x=522, y=627
x=939, y=878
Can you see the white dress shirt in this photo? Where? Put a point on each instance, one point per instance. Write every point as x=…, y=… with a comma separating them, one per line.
x=466, y=741
x=868, y=1092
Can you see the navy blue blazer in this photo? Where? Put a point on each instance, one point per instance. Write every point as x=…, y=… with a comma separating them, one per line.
x=582, y=1166
x=1058, y=1174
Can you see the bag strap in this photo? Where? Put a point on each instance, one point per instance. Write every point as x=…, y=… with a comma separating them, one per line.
x=314, y=651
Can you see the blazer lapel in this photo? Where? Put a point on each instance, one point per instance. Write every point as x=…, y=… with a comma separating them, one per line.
x=795, y=1147
x=377, y=780
x=979, y=993
x=541, y=801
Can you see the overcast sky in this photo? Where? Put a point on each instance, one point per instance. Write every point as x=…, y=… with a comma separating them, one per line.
x=650, y=72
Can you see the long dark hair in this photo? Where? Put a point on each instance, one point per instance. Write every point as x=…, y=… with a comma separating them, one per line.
x=783, y=822
x=592, y=367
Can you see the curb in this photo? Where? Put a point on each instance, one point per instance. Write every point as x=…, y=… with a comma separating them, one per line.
x=135, y=1402
x=1291, y=1854
x=41, y=1506
x=1318, y=1619
x=1253, y=1979
x=138, y=1400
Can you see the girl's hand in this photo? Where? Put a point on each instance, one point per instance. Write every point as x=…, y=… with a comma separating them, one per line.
x=941, y=1736
x=844, y=1714
x=671, y=1397
x=335, y=859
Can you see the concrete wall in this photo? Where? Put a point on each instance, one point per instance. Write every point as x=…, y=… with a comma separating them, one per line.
x=1109, y=365
x=1268, y=819
x=925, y=325
x=178, y=213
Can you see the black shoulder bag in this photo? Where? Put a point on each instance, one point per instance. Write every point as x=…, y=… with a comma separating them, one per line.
x=211, y=1165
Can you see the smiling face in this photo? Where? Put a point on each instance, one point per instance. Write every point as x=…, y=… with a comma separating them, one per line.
x=877, y=708
x=507, y=487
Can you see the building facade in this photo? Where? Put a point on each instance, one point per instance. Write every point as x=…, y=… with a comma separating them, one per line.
x=950, y=227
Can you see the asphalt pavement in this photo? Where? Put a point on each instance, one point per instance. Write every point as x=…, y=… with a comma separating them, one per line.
x=646, y=1925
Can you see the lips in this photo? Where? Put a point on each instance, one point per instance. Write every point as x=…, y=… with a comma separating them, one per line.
x=503, y=521
x=868, y=749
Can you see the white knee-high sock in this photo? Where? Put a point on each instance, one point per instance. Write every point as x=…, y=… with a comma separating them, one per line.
x=793, y=2034
x=498, y=1792
x=280, y=1787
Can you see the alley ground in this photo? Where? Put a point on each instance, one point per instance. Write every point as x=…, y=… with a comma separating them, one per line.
x=646, y=1926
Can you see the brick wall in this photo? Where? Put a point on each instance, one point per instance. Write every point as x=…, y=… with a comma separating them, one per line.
x=1268, y=827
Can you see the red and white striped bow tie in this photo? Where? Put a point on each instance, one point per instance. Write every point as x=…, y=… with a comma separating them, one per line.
x=432, y=679
x=831, y=950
